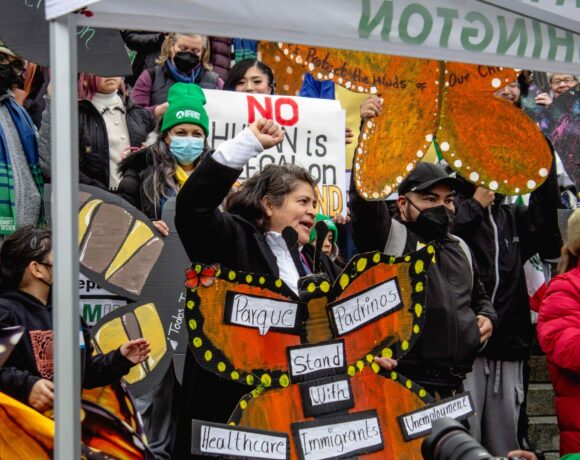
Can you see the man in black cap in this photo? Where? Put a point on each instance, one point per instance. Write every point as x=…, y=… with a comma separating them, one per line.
x=459, y=313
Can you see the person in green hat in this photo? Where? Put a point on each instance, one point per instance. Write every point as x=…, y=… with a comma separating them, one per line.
x=149, y=177
x=329, y=246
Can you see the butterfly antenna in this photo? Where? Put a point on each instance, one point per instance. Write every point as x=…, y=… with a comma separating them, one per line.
x=322, y=231
x=291, y=238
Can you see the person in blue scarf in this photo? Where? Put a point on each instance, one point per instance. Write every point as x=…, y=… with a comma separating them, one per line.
x=21, y=181
x=184, y=59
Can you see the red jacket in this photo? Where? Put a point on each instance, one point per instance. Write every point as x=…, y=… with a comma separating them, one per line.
x=559, y=336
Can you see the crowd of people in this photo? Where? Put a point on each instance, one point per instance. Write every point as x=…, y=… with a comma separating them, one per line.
x=145, y=137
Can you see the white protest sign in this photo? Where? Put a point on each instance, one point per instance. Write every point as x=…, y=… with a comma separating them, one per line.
x=260, y=312
x=339, y=437
x=314, y=137
x=218, y=440
x=308, y=362
x=355, y=312
x=419, y=423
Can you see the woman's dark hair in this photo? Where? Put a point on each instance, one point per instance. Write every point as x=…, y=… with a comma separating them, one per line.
x=238, y=72
x=25, y=245
x=274, y=182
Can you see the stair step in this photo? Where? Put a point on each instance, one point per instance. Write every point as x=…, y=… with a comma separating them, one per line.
x=544, y=434
x=541, y=399
x=539, y=370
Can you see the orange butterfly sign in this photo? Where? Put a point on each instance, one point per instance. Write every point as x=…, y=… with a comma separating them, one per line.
x=487, y=140
x=253, y=329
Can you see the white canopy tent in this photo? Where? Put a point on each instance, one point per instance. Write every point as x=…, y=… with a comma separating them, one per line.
x=545, y=36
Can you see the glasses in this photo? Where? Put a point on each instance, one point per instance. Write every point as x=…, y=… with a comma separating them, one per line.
x=559, y=81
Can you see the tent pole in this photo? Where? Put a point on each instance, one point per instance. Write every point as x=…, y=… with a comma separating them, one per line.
x=64, y=211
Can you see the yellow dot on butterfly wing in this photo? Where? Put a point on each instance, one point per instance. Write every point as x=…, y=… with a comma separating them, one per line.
x=262, y=280
x=311, y=287
x=190, y=304
x=221, y=366
x=419, y=266
x=376, y=368
x=249, y=278
x=250, y=379
x=284, y=380
x=422, y=393
x=419, y=287
x=416, y=329
x=387, y=353
x=409, y=384
x=232, y=275
x=360, y=365
x=235, y=375
x=369, y=358
x=418, y=309
x=404, y=345
x=208, y=355
x=344, y=280
x=377, y=258
x=351, y=371
x=197, y=342
x=192, y=324
x=278, y=283
x=430, y=249
x=361, y=264
x=266, y=380
x=394, y=375
x=325, y=286
x=243, y=405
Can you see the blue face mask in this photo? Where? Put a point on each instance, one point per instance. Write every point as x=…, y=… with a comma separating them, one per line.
x=186, y=149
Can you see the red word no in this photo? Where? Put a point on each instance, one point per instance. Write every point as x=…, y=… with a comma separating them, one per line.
x=290, y=118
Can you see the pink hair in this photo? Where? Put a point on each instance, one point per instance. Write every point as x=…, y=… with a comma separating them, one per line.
x=87, y=86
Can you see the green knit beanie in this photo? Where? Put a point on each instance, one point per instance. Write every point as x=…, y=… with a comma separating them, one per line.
x=186, y=101
x=329, y=223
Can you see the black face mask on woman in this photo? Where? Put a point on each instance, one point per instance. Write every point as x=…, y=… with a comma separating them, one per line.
x=433, y=222
x=185, y=61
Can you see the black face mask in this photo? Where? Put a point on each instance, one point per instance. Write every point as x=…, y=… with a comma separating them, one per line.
x=185, y=62
x=433, y=222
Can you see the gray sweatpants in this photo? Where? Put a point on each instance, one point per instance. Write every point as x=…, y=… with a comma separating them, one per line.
x=497, y=389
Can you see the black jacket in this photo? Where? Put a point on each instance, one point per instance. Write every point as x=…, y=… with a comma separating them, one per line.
x=211, y=236
x=502, y=237
x=94, y=142
x=450, y=340
x=32, y=357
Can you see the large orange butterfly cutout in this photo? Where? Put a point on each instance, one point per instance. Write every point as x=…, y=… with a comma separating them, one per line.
x=487, y=140
x=253, y=329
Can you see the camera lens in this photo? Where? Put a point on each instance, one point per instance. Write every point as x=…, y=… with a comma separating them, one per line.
x=449, y=440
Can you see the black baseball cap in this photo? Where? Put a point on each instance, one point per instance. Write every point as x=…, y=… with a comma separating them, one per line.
x=425, y=176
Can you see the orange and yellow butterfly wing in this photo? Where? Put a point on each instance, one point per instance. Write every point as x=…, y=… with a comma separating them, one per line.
x=389, y=394
x=487, y=140
x=390, y=292
x=233, y=350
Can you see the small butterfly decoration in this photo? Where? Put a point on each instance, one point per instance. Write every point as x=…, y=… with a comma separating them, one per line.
x=200, y=275
x=485, y=139
x=244, y=327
